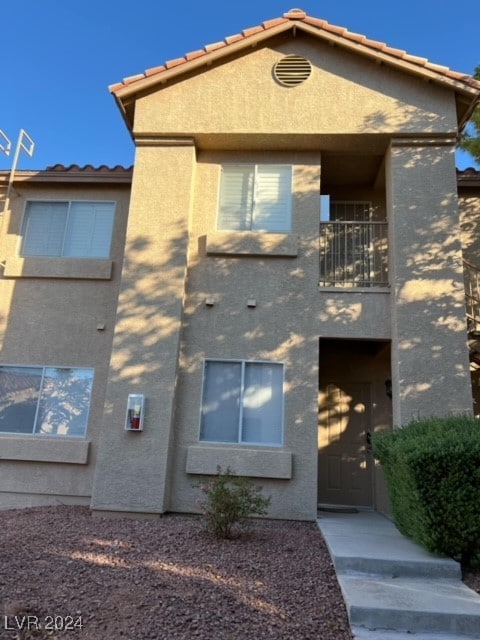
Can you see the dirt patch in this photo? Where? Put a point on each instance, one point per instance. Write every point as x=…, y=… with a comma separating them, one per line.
x=163, y=579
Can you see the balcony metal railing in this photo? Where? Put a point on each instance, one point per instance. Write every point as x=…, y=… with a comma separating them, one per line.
x=471, y=275
x=353, y=254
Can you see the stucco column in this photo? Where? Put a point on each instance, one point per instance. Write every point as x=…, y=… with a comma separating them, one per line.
x=132, y=468
x=430, y=369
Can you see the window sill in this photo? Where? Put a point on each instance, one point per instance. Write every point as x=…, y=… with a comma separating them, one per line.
x=44, y=449
x=79, y=268
x=249, y=243
x=255, y=463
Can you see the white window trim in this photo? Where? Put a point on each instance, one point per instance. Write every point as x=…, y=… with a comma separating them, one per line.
x=255, y=166
x=239, y=441
x=69, y=202
x=54, y=435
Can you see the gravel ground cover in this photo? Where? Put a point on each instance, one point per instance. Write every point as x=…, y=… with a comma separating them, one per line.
x=66, y=574
x=472, y=580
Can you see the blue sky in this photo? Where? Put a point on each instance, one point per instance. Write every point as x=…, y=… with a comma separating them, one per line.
x=59, y=56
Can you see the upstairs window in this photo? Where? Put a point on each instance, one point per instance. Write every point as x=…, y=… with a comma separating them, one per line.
x=256, y=198
x=242, y=402
x=78, y=229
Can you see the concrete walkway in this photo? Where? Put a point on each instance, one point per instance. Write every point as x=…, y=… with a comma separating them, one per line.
x=392, y=587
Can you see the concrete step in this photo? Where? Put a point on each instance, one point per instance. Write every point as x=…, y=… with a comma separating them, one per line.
x=395, y=562
x=411, y=605
x=370, y=543
x=393, y=588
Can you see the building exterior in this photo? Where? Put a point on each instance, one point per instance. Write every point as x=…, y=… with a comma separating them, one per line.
x=278, y=276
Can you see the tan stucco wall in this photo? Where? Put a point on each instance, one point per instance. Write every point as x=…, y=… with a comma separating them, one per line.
x=132, y=474
x=290, y=315
x=469, y=206
x=345, y=94
x=430, y=369
x=47, y=320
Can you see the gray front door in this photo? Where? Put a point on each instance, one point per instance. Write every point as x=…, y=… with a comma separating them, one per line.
x=345, y=461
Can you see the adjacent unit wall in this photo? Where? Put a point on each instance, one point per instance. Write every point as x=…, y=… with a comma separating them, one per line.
x=53, y=314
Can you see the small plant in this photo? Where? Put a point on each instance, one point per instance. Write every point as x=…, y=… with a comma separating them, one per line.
x=228, y=501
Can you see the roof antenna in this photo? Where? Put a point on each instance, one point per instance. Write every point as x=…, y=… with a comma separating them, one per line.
x=25, y=143
x=7, y=144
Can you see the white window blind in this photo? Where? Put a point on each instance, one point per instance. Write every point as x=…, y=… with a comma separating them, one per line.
x=80, y=229
x=44, y=228
x=236, y=198
x=242, y=402
x=256, y=198
x=273, y=198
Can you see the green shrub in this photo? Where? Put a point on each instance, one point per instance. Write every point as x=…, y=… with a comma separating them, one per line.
x=228, y=501
x=432, y=469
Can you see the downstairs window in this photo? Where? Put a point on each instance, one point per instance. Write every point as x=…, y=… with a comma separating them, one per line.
x=242, y=402
x=51, y=401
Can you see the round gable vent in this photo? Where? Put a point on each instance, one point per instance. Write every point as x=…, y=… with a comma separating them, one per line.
x=292, y=70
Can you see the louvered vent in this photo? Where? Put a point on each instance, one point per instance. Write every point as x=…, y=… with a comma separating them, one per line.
x=292, y=70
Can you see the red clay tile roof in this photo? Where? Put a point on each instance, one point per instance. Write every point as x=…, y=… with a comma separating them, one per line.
x=75, y=168
x=72, y=173
x=469, y=171
x=468, y=177
x=321, y=28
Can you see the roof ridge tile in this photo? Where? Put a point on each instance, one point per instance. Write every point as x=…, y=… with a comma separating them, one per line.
x=175, y=62
x=251, y=31
x=416, y=59
x=275, y=22
x=332, y=28
x=134, y=78
x=214, y=46
x=316, y=22
x=301, y=16
x=195, y=54
x=295, y=14
x=235, y=38
x=398, y=53
x=153, y=70
x=438, y=67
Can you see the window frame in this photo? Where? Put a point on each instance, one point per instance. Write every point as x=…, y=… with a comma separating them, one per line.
x=43, y=368
x=251, y=214
x=239, y=441
x=69, y=203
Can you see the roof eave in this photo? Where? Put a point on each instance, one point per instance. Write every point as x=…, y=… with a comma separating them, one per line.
x=118, y=176
x=122, y=92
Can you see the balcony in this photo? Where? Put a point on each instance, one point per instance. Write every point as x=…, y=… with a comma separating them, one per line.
x=353, y=254
x=471, y=275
